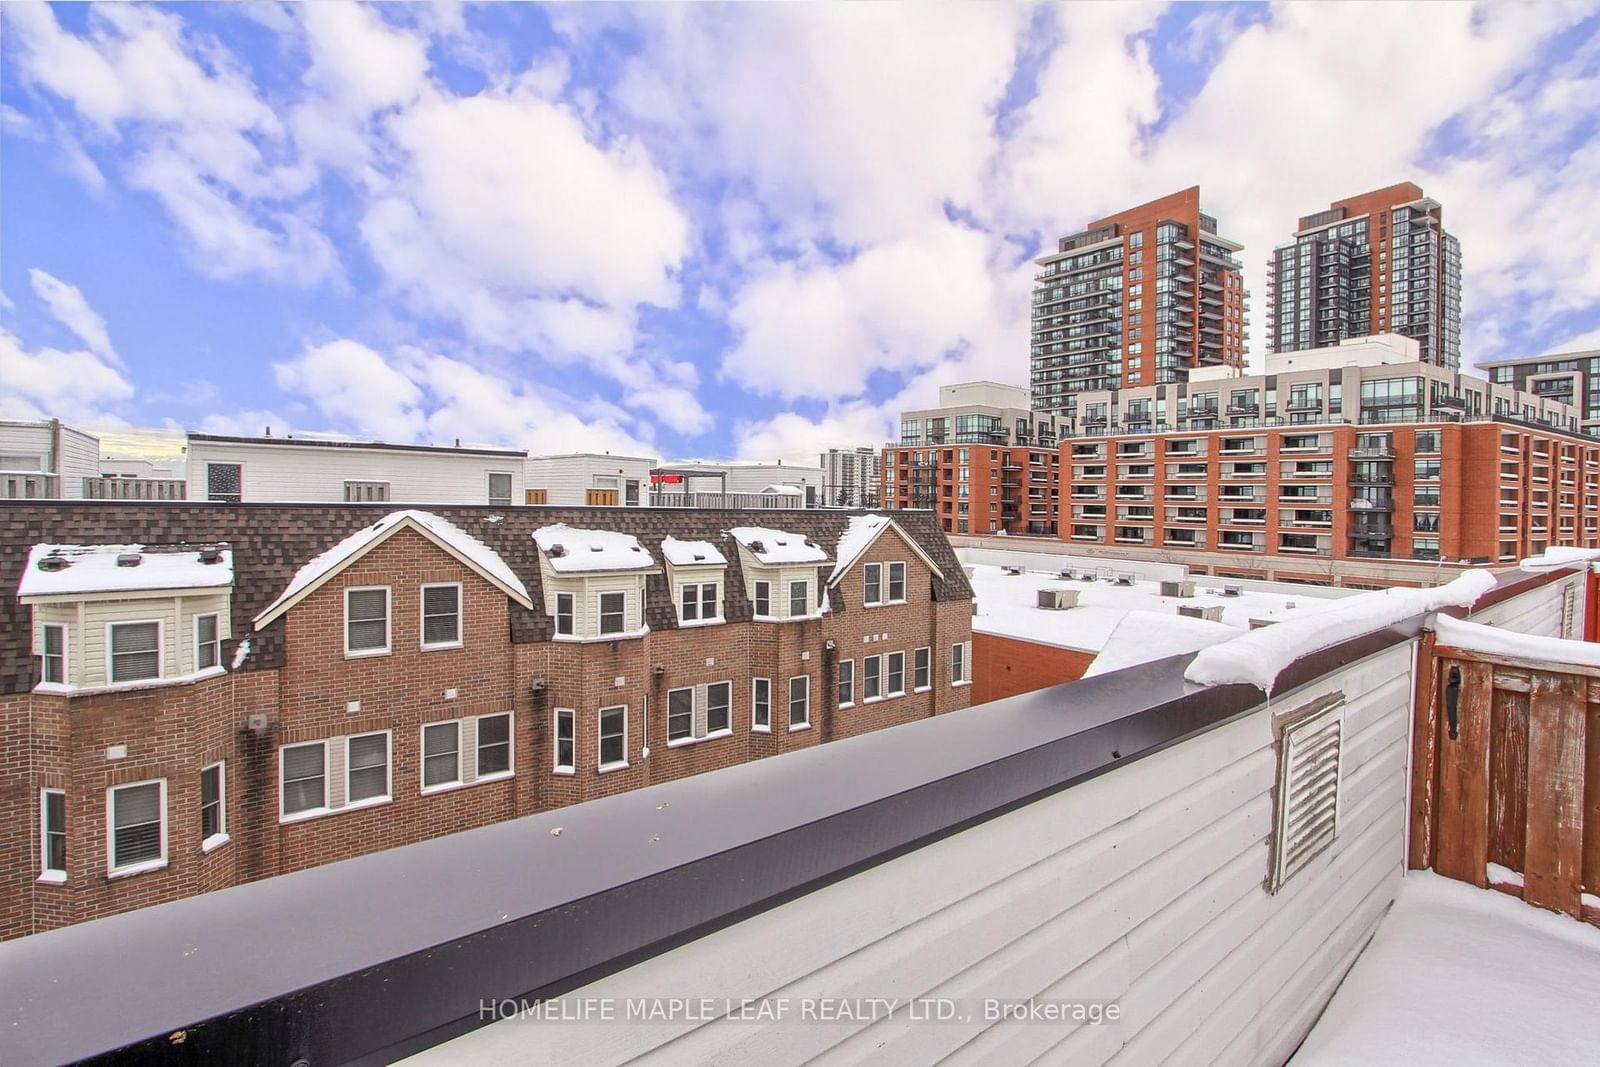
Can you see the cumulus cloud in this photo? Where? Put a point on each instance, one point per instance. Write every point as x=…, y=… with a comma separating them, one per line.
x=75, y=386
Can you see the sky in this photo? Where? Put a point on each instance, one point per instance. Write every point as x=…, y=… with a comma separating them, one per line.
x=732, y=231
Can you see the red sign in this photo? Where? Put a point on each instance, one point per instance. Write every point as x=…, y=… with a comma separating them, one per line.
x=666, y=479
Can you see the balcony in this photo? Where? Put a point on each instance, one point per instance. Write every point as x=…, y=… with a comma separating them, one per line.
x=1372, y=453
x=1370, y=478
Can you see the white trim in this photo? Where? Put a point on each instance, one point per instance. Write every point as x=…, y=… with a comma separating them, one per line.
x=887, y=672
x=726, y=731
x=854, y=682
x=161, y=651
x=218, y=642
x=555, y=616
x=44, y=659
x=511, y=747
x=866, y=568
x=422, y=617
x=689, y=738
x=965, y=677
x=699, y=588
x=599, y=615
x=388, y=622
x=422, y=761
x=599, y=738
x=556, y=766
x=221, y=837
x=866, y=696
x=140, y=867
x=755, y=727
x=47, y=874
x=755, y=599
x=842, y=567
x=388, y=770
x=304, y=813
x=915, y=688
x=789, y=703
x=888, y=582
x=488, y=488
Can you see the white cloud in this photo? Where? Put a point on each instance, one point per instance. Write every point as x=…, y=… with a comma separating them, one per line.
x=795, y=438
x=67, y=304
x=348, y=381
x=74, y=386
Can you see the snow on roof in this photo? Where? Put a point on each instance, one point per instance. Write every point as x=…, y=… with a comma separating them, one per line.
x=784, y=490
x=570, y=550
x=1146, y=636
x=1557, y=557
x=1258, y=657
x=859, y=533
x=691, y=553
x=471, y=551
x=1008, y=607
x=94, y=569
x=778, y=546
x=1460, y=975
x=1458, y=633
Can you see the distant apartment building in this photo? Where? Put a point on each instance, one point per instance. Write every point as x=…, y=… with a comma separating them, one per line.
x=1570, y=377
x=1140, y=297
x=982, y=461
x=200, y=695
x=1326, y=457
x=45, y=459
x=1380, y=262
x=850, y=477
x=231, y=470
x=593, y=479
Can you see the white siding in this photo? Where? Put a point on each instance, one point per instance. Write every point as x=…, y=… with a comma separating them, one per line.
x=87, y=628
x=79, y=455
x=586, y=591
x=282, y=472
x=780, y=577
x=1143, y=886
x=567, y=479
x=1540, y=612
x=80, y=459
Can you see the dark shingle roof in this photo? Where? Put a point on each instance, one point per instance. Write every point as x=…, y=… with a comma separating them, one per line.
x=272, y=541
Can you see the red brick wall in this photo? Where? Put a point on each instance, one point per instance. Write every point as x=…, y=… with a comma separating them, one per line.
x=1007, y=666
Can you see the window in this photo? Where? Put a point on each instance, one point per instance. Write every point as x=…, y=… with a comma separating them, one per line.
x=871, y=677
x=799, y=702
x=304, y=773
x=494, y=745
x=613, y=737
x=207, y=642
x=613, y=609
x=799, y=598
x=763, y=598
x=922, y=669
x=680, y=714
x=357, y=492
x=897, y=583
x=847, y=682
x=872, y=584
x=895, y=668
x=366, y=768
x=1427, y=468
x=441, y=615
x=960, y=673
x=441, y=755
x=52, y=835
x=137, y=826
x=366, y=621
x=698, y=602
x=564, y=602
x=135, y=651
x=224, y=482
x=54, y=653
x=213, y=806
x=565, y=744
x=719, y=708
x=1427, y=440
x=761, y=704
x=499, y=490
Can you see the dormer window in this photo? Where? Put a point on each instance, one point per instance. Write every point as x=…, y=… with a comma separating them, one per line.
x=613, y=613
x=697, y=600
x=54, y=653
x=763, y=597
x=799, y=598
x=594, y=582
x=135, y=651
x=564, y=614
x=696, y=571
x=781, y=571
x=207, y=641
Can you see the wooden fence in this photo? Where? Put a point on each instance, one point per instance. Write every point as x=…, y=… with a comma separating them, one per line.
x=1506, y=771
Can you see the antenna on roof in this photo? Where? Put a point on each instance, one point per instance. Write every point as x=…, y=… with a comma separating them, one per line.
x=458, y=442
x=269, y=431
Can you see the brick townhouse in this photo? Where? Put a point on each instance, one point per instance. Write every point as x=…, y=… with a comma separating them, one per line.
x=198, y=695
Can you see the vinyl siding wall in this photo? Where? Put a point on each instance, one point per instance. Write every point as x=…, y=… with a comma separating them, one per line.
x=87, y=631
x=314, y=473
x=79, y=459
x=586, y=591
x=567, y=479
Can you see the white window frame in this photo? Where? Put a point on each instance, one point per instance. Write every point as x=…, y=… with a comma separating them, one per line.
x=599, y=738
x=141, y=866
x=422, y=761
x=726, y=730
x=888, y=583
x=283, y=794
x=206, y=488
x=888, y=673
x=871, y=679
x=600, y=615
x=388, y=770
x=789, y=706
x=756, y=725
x=388, y=622
x=964, y=676
x=198, y=644
x=221, y=837
x=805, y=598
x=48, y=874
x=700, y=616
x=571, y=717
x=422, y=616
x=871, y=584
x=44, y=657
x=572, y=614
x=488, y=487
x=757, y=597
x=161, y=650
x=511, y=747
x=925, y=653
x=688, y=738
x=850, y=663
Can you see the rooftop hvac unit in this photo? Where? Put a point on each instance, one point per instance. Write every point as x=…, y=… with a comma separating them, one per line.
x=1212, y=613
x=1058, y=599
x=1182, y=588
x=1066, y=574
x=1011, y=569
x=1124, y=578
x=1233, y=590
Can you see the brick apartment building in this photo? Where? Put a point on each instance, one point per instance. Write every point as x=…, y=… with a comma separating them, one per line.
x=1136, y=298
x=198, y=695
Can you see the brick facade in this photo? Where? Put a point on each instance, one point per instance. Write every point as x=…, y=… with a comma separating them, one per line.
x=1007, y=666
x=296, y=674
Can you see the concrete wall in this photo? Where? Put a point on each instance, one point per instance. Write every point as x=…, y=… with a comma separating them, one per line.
x=280, y=472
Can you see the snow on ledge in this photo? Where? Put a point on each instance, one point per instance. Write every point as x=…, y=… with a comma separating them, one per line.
x=1146, y=636
x=691, y=553
x=1558, y=557
x=1480, y=638
x=1258, y=657
x=585, y=551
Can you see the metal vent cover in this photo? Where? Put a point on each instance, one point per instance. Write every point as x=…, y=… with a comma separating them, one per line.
x=1306, y=802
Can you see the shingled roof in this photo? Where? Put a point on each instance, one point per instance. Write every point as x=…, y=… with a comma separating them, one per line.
x=271, y=542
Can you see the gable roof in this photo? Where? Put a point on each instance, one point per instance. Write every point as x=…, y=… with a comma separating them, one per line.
x=861, y=533
x=470, y=551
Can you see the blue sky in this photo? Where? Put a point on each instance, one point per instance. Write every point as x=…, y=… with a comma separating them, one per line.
x=747, y=230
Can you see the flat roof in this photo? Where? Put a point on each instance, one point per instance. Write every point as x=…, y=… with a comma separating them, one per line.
x=595, y=455
x=1581, y=353
x=381, y=446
